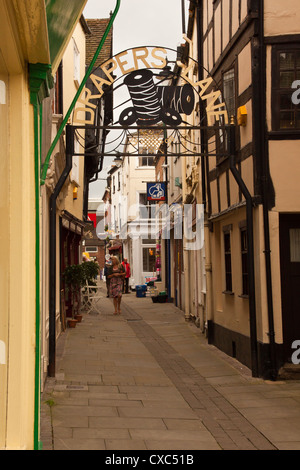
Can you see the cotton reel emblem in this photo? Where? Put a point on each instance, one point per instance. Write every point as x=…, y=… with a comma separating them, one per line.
x=152, y=104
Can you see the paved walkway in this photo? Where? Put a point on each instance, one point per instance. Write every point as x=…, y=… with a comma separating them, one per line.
x=147, y=380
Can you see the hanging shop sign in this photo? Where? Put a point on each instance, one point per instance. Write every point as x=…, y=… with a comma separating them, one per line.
x=139, y=72
x=156, y=191
x=157, y=108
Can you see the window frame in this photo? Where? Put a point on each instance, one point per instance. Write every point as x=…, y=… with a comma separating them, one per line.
x=227, y=231
x=88, y=249
x=76, y=64
x=145, y=155
x=278, y=92
x=232, y=70
x=148, y=247
x=244, y=259
x=221, y=136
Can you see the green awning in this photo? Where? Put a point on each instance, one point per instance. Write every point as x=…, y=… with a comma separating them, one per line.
x=62, y=16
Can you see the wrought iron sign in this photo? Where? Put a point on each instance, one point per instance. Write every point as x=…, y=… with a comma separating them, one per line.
x=157, y=103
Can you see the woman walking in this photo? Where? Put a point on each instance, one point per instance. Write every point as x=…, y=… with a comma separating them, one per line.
x=116, y=275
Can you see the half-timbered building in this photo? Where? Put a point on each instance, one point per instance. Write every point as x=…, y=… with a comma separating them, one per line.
x=251, y=49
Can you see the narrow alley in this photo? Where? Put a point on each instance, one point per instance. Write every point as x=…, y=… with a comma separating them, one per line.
x=148, y=380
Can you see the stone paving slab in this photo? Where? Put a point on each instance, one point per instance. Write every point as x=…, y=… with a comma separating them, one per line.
x=148, y=380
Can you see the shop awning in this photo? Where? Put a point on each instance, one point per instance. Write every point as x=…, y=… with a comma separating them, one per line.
x=62, y=17
x=117, y=248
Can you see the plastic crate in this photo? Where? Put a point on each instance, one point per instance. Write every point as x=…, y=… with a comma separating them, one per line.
x=142, y=287
x=141, y=293
x=160, y=299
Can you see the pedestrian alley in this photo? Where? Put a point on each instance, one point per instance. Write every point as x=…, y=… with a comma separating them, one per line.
x=147, y=380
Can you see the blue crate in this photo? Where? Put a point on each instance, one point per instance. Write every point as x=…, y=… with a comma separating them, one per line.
x=141, y=287
x=140, y=293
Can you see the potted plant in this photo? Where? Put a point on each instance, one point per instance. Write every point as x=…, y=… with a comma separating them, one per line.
x=90, y=271
x=74, y=280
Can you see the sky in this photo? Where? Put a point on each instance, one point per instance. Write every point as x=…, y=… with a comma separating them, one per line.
x=138, y=23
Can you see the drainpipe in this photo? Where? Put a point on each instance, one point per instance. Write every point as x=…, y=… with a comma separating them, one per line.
x=167, y=241
x=40, y=82
x=260, y=131
x=250, y=259
x=79, y=91
x=37, y=277
x=185, y=252
x=52, y=248
x=207, y=311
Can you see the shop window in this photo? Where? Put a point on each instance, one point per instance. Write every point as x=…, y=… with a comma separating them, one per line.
x=285, y=71
x=149, y=259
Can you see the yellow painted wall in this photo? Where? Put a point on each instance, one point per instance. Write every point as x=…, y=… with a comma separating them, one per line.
x=70, y=87
x=4, y=252
x=17, y=235
x=21, y=353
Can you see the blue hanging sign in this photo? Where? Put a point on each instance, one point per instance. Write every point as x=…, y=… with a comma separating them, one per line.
x=156, y=191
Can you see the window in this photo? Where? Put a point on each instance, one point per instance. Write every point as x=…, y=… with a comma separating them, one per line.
x=285, y=70
x=229, y=92
x=145, y=206
x=227, y=253
x=76, y=63
x=229, y=98
x=295, y=245
x=149, y=259
x=145, y=159
x=57, y=104
x=244, y=254
x=91, y=249
x=75, y=164
x=148, y=241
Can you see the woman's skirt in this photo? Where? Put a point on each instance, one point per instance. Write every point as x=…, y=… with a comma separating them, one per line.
x=116, y=287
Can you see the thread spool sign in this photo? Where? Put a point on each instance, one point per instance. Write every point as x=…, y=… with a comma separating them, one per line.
x=151, y=103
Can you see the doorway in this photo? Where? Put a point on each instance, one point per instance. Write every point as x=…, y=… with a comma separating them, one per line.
x=289, y=230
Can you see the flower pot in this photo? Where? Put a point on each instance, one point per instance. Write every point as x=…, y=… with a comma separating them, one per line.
x=78, y=318
x=72, y=322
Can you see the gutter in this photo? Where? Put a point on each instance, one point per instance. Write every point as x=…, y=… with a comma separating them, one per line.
x=250, y=255
x=52, y=248
x=259, y=79
x=54, y=195
x=40, y=82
